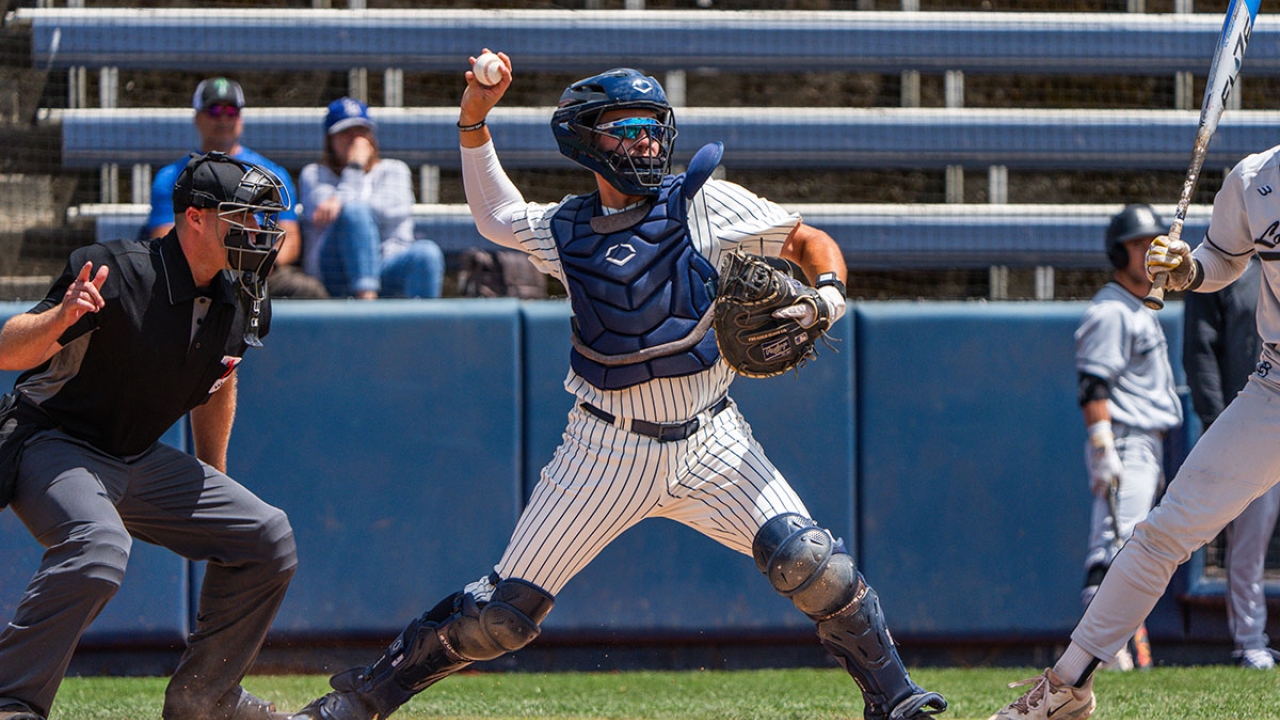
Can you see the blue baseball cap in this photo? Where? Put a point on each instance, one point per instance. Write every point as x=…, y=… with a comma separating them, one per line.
x=346, y=113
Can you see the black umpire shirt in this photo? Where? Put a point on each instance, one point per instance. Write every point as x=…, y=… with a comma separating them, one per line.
x=160, y=346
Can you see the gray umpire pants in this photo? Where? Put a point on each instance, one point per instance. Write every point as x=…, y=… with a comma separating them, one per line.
x=1247, y=539
x=83, y=506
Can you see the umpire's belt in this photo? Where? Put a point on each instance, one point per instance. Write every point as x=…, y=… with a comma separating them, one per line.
x=662, y=432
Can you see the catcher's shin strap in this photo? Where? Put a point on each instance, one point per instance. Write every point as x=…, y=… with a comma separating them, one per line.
x=662, y=432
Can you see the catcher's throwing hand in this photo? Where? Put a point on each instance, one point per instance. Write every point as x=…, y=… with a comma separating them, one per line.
x=805, y=311
x=83, y=295
x=766, y=321
x=1173, y=258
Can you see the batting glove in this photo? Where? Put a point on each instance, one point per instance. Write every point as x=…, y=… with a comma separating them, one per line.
x=1101, y=458
x=1173, y=258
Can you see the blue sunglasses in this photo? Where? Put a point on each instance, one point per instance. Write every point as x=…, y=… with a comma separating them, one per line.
x=633, y=128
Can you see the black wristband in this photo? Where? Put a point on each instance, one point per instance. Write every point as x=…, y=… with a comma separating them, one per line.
x=470, y=128
x=1197, y=275
x=353, y=165
x=830, y=278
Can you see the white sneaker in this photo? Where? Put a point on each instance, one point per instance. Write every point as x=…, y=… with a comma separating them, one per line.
x=1258, y=659
x=1050, y=699
x=1123, y=661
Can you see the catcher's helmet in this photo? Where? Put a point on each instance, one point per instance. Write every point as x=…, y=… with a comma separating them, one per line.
x=248, y=197
x=574, y=125
x=1133, y=222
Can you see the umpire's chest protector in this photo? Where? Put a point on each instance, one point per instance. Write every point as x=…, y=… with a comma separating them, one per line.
x=641, y=293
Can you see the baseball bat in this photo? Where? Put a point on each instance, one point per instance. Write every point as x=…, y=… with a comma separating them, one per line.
x=1237, y=26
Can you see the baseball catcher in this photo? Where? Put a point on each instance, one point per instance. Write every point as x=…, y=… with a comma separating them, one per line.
x=766, y=319
x=647, y=258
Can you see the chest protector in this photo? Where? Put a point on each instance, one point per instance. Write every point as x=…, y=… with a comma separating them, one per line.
x=641, y=293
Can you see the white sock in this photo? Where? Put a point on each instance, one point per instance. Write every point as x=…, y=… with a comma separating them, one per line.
x=1073, y=664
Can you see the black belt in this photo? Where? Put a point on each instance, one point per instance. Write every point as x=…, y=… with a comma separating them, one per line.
x=662, y=432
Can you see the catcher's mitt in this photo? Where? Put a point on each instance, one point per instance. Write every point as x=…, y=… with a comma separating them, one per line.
x=759, y=314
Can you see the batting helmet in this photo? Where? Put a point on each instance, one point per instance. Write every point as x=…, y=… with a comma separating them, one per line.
x=575, y=120
x=1133, y=222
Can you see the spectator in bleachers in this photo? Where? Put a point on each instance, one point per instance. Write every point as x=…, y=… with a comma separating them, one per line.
x=217, y=103
x=1220, y=351
x=358, y=215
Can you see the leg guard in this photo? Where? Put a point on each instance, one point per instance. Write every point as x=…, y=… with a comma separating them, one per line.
x=803, y=563
x=449, y=637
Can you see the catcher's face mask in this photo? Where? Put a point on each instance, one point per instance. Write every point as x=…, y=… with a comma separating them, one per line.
x=592, y=142
x=636, y=148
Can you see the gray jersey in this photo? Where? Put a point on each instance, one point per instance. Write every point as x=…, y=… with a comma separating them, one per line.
x=1120, y=340
x=1246, y=220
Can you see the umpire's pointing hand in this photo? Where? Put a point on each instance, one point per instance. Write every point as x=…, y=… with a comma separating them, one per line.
x=83, y=295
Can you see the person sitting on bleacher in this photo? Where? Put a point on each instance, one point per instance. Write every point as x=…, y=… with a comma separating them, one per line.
x=218, y=102
x=358, y=215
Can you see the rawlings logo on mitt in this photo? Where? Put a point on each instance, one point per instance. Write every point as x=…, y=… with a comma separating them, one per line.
x=766, y=321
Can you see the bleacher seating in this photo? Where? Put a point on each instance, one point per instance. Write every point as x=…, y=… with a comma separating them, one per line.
x=569, y=40
x=753, y=137
x=871, y=236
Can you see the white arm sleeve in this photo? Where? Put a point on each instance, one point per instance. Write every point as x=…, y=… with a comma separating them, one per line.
x=1228, y=244
x=1220, y=269
x=492, y=197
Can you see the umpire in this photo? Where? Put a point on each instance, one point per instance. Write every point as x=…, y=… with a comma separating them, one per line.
x=130, y=338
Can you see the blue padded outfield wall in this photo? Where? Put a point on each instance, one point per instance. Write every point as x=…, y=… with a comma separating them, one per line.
x=942, y=441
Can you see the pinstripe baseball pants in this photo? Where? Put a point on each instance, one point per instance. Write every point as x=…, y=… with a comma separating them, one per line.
x=602, y=480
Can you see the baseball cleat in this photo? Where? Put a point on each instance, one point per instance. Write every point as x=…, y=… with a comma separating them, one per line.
x=336, y=705
x=1258, y=659
x=1050, y=698
x=255, y=708
x=18, y=711
x=921, y=706
x=251, y=707
x=1123, y=661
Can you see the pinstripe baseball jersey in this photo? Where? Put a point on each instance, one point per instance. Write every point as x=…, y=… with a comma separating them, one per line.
x=721, y=216
x=605, y=478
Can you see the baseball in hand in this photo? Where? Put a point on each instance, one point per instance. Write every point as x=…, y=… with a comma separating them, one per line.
x=488, y=69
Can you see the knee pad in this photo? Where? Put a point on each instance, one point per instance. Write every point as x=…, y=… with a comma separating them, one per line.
x=511, y=619
x=803, y=563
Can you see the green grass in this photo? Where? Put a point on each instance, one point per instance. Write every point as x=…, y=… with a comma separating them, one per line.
x=1181, y=693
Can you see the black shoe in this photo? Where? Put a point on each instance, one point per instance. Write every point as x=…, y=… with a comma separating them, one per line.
x=251, y=707
x=919, y=706
x=18, y=711
x=337, y=705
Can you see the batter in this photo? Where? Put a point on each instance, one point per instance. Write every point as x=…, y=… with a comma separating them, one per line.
x=1233, y=463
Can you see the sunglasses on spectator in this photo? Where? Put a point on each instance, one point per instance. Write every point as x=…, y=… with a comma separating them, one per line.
x=222, y=111
x=633, y=128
